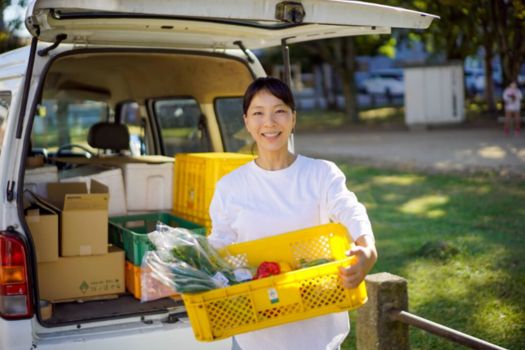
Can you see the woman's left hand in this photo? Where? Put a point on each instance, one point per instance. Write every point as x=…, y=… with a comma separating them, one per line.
x=366, y=254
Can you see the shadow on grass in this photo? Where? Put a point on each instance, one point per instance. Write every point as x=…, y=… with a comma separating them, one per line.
x=479, y=290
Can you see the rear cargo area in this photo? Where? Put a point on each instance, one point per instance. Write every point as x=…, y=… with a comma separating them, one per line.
x=101, y=172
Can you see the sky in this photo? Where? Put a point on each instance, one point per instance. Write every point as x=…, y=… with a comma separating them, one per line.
x=14, y=11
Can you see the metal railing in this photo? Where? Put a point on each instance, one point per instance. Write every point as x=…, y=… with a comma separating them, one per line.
x=383, y=323
x=441, y=331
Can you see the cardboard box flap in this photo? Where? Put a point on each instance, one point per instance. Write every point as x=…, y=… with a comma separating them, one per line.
x=57, y=192
x=97, y=187
x=91, y=201
x=39, y=203
x=32, y=214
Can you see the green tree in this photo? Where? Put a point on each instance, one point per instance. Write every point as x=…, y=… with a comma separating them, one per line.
x=463, y=28
x=340, y=54
x=8, y=39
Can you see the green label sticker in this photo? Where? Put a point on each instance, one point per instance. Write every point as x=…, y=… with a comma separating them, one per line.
x=273, y=295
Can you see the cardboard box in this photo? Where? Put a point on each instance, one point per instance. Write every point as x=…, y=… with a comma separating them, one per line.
x=42, y=220
x=35, y=161
x=109, y=176
x=82, y=277
x=84, y=217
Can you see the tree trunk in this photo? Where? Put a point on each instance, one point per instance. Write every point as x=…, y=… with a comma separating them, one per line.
x=340, y=54
x=489, y=81
x=328, y=86
x=511, y=40
x=489, y=85
x=349, y=88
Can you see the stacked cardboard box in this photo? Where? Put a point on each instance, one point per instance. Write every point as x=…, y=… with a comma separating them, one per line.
x=73, y=222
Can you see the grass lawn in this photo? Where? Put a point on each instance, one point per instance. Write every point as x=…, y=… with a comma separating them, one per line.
x=477, y=286
x=316, y=120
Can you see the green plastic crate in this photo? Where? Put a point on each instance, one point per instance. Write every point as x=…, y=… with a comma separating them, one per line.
x=131, y=232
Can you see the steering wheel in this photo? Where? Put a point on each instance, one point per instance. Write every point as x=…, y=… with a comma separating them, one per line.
x=69, y=146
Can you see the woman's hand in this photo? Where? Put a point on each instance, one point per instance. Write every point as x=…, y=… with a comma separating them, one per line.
x=366, y=254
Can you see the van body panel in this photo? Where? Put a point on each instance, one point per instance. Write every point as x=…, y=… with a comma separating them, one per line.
x=15, y=335
x=105, y=334
x=211, y=23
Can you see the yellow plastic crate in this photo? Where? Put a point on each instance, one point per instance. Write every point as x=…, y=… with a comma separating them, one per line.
x=280, y=299
x=195, y=176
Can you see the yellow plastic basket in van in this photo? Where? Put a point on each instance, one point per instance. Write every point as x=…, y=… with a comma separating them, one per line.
x=275, y=300
x=195, y=176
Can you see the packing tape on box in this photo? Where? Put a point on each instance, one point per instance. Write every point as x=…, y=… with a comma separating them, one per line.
x=46, y=310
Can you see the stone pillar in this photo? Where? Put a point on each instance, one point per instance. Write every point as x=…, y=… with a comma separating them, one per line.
x=375, y=330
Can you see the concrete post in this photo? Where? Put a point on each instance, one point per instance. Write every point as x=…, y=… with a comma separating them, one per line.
x=375, y=330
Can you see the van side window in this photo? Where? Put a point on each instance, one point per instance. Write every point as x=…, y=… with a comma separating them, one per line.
x=5, y=102
x=231, y=124
x=182, y=126
x=128, y=113
x=62, y=124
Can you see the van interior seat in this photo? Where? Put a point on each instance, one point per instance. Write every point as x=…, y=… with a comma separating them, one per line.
x=109, y=136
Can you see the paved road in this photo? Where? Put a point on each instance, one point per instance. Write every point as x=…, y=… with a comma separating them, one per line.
x=452, y=149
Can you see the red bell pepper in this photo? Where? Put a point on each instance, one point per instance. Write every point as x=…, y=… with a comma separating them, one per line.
x=266, y=269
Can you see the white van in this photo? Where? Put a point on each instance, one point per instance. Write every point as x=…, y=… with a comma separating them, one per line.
x=169, y=73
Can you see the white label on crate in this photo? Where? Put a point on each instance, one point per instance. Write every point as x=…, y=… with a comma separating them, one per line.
x=220, y=280
x=242, y=274
x=273, y=295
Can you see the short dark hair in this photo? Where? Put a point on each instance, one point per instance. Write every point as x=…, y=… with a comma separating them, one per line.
x=274, y=86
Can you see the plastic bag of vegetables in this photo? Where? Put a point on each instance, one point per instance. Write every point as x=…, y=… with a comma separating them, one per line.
x=183, y=261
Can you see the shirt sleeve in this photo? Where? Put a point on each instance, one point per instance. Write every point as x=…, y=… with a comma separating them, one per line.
x=222, y=233
x=342, y=205
x=506, y=95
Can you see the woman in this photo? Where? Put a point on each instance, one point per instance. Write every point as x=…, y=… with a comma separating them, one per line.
x=281, y=192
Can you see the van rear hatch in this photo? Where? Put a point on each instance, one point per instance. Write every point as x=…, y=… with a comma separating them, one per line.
x=211, y=23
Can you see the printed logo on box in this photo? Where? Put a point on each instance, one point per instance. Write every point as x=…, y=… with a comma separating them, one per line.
x=84, y=287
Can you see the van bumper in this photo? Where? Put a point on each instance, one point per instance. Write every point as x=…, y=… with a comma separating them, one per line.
x=158, y=336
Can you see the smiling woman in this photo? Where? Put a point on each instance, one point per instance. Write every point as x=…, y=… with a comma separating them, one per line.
x=280, y=192
x=169, y=62
x=269, y=116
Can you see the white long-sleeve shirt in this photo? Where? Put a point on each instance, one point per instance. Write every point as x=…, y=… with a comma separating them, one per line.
x=251, y=203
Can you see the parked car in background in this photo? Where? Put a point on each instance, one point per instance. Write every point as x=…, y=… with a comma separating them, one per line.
x=388, y=82
x=474, y=80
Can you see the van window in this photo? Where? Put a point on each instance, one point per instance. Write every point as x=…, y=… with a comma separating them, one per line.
x=5, y=102
x=233, y=133
x=128, y=113
x=63, y=124
x=182, y=126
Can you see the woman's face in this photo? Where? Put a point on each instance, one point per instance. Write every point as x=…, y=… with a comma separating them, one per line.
x=270, y=122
